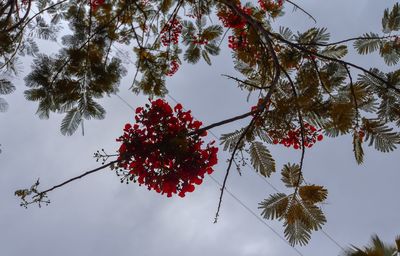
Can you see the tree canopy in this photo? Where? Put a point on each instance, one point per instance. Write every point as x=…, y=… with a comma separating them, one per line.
x=306, y=89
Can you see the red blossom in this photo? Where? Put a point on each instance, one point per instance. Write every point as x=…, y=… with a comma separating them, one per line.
x=171, y=32
x=158, y=151
x=294, y=137
x=174, y=66
x=233, y=20
x=94, y=4
x=270, y=5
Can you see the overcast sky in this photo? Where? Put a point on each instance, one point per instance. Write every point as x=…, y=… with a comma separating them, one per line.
x=100, y=216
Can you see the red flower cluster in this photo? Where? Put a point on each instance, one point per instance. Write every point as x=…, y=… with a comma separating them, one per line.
x=174, y=66
x=158, y=152
x=171, y=32
x=361, y=134
x=293, y=137
x=232, y=20
x=94, y=4
x=270, y=5
x=260, y=101
x=238, y=42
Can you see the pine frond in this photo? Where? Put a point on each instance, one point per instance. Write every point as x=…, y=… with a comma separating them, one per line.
x=90, y=109
x=390, y=54
x=44, y=109
x=290, y=175
x=260, y=133
x=370, y=43
x=357, y=147
x=206, y=57
x=275, y=206
x=314, y=217
x=29, y=47
x=313, y=194
x=331, y=131
x=380, y=135
x=35, y=94
x=286, y=33
x=371, y=82
x=212, y=49
x=261, y=159
x=335, y=51
x=297, y=233
x=71, y=122
x=229, y=140
x=192, y=54
x=212, y=32
x=315, y=119
x=166, y=5
x=6, y=87
x=314, y=35
x=391, y=19
x=342, y=115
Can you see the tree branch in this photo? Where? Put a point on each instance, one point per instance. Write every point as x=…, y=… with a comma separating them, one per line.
x=75, y=178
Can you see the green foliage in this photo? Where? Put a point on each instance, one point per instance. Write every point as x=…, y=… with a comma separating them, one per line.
x=291, y=175
x=357, y=147
x=202, y=41
x=300, y=217
x=229, y=140
x=389, y=46
x=380, y=135
x=391, y=19
x=299, y=76
x=313, y=194
x=261, y=159
x=6, y=87
x=313, y=36
x=71, y=122
x=275, y=206
x=298, y=211
x=376, y=248
x=335, y=51
x=368, y=44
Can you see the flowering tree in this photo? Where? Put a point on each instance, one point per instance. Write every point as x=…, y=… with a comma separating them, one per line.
x=306, y=90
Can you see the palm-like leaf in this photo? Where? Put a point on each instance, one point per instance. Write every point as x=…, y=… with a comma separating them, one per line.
x=380, y=135
x=229, y=140
x=368, y=44
x=6, y=87
x=291, y=175
x=71, y=122
x=275, y=206
x=297, y=233
x=261, y=159
x=357, y=148
x=376, y=248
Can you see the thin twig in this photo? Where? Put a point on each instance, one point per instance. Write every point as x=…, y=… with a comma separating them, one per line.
x=76, y=178
x=353, y=95
x=348, y=40
x=230, y=165
x=226, y=121
x=300, y=8
x=245, y=83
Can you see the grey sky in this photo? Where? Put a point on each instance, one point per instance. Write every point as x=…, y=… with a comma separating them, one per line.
x=99, y=216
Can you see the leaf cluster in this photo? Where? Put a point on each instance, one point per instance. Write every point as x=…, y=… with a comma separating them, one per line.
x=298, y=211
